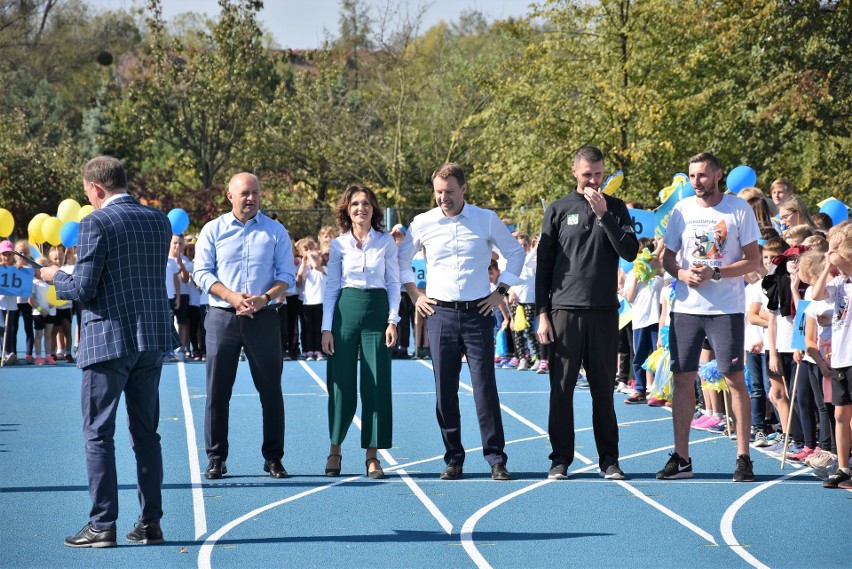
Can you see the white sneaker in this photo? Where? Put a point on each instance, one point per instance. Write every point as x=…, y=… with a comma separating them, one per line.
x=622, y=387
x=523, y=364
x=760, y=440
x=180, y=355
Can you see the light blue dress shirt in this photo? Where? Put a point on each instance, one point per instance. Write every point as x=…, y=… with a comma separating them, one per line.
x=246, y=258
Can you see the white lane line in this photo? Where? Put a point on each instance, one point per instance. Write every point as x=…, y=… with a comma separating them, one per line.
x=207, y=547
x=200, y=514
x=727, y=524
x=421, y=495
x=468, y=527
x=206, y=551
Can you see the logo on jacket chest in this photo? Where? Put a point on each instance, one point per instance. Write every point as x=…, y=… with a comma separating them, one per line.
x=572, y=219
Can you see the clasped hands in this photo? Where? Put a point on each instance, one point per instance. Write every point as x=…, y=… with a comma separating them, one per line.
x=697, y=273
x=246, y=304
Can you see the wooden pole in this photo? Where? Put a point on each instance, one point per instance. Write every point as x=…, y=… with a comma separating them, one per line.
x=790, y=415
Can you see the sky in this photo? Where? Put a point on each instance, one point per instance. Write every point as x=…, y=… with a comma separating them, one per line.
x=300, y=24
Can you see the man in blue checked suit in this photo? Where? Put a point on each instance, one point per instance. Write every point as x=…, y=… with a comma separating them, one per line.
x=119, y=280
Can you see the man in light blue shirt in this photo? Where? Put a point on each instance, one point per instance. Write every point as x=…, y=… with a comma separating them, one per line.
x=244, y=260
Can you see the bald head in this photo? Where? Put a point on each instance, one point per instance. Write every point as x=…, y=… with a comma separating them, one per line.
x=244, y=195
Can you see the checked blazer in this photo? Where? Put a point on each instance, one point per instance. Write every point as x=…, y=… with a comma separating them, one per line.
x=120, y=281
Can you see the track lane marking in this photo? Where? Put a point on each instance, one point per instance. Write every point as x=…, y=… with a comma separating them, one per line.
x=199, y=511
x=726, y=525
x=470, y=524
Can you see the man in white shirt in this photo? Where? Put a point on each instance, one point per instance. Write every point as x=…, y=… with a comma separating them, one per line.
x=457, y=239
x=711, y=242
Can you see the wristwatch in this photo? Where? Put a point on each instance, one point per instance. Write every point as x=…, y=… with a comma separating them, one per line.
x=503, y=290
x=268, y=298
x=717, y=274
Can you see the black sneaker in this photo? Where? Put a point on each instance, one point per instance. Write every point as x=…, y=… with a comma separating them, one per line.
x=836, y=479
x=612, y=472
x=676, y=468
x=558, y=471
x=744, y=472
x=149, y=534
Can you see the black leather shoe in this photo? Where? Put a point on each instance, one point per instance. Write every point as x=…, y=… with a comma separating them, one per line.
x=453, y=471
x=275, y=469
x=148, y=534
x=215, y=469
x=90, y=537
x=499, y=472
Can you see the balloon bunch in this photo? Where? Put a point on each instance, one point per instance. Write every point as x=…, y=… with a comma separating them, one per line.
x=60, y=230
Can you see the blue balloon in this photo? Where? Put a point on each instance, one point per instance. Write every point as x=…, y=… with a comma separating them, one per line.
x=741, y=177
x=836, y=210
x=69, y=233
x=180, y=220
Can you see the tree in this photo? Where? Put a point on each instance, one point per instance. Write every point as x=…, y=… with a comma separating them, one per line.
x=202, y=104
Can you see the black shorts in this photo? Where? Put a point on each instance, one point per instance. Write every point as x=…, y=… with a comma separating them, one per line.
x=724, y=332
x=62, y=315
x=182, y=312
x=841, y=386
x=41, y=320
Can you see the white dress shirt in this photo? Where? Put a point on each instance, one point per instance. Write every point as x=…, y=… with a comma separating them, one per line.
x=458, y=252
x=375, y=265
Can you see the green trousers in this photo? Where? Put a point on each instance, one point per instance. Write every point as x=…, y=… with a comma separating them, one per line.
x=360, y=320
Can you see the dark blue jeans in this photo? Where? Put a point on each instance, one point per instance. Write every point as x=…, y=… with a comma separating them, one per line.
x=138, y=377
x=758, y=373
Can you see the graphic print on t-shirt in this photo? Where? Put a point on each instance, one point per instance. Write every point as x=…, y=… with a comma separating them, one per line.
x=708, y=247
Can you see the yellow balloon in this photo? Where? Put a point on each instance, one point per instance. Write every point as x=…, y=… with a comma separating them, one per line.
x=7, y=223
x=34, y=228
x=84, y=211
x=51, y=297
x=51, y=229
x=68, y=210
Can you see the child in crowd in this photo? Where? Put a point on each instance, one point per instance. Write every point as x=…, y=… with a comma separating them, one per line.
x=783, y=289
x=181, y=310
x=197, y=310
x=838, y=290
x=807, y=402
x=291, y=315
x=822, y=221
x=797, y=234
x=311, y=275
x=522, y=297
x=43, y=315
x=759, y=315
x=816, y=361
x=25, y=310
x=173, y=287
x=64, y=312
x=502, y=316
x=9, y=306
x=325, y=236
x=642, y=289
x=406, y=307
x=757, y=364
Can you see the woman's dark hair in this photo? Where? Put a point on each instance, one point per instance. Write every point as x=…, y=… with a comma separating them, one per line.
x=341, y=210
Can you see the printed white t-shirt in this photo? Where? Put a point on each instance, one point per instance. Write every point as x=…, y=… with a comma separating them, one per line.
x=646, y=304
x=713, y=236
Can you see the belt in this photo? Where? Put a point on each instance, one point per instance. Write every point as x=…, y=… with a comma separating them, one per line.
x=459, y=305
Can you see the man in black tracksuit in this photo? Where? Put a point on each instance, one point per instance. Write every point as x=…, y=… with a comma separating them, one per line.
x=583, y=235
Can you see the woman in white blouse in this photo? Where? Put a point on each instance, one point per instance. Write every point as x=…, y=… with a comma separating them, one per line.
x=360, y=311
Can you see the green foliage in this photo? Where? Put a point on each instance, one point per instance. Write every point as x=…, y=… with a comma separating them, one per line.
x=187, y=104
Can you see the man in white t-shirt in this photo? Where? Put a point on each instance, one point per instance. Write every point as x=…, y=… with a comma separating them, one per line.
x=711, y=243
